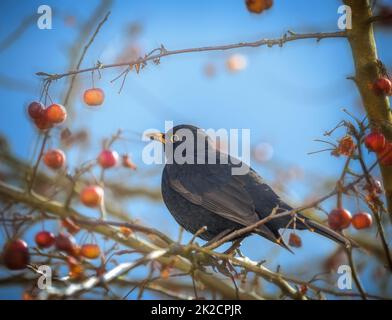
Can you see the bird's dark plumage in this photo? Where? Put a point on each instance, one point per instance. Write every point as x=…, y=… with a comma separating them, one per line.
x=199, y=195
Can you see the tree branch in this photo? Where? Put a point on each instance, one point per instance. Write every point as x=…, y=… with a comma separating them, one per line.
x=287, y=37
x=363, y=46
x=227, y=291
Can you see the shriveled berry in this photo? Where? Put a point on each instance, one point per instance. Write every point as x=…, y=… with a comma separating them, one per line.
x=70, y=225
x=295, y=240
x=127, y=162
x=236, y=63
x=76, y=270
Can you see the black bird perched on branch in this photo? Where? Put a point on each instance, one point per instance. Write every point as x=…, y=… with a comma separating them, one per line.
x=209, y=195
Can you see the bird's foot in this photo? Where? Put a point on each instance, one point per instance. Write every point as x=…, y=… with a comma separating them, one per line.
x=232, y=250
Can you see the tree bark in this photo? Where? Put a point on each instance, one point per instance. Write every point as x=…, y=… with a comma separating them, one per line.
x=364, y=51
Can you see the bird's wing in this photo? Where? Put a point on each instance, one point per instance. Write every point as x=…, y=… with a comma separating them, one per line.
x=214, y=188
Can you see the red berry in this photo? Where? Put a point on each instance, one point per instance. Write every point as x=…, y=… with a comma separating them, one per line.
x=90, y=251
x=377, y=186
x=65, y=243
x=45, y=239
x=385, y=156
x=42, y=123
x=54, y=158
x=94, y=96
x=362, y=220
x=91, y=196
x=16, y=255
x=339, y=219
x=375, y=141
x=382, y=86
x=303, y=289
x=36, y=110
x=108, y=158
x=55, y=113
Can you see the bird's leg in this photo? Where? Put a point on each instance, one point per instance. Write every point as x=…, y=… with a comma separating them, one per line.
x=234, y=246
x=226, y=267
x=218, y=237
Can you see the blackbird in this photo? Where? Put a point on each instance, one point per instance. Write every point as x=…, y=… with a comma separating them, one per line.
x=206, y=194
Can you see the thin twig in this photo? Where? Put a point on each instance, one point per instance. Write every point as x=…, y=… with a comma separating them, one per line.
x=86, y=47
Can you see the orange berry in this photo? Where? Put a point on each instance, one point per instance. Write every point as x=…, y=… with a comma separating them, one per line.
x=362, y=220
x=257, y=6
x=27, y=296
x=165, y=273
x=127, y=162
x=125, y=231
x=236, y=62
x=90, y=251
x=93, y=97
x=91, y=196
x=346, y=146
x=55, y=113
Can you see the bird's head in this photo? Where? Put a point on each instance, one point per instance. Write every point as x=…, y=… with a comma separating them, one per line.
x=183, y=140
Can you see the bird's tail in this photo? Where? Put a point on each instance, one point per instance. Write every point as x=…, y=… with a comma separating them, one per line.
x=314, y=226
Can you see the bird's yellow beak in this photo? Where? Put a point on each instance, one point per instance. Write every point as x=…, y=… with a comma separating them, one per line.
x=157, y=136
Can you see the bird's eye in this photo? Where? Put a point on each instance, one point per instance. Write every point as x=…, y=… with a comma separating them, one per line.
x=174, y=138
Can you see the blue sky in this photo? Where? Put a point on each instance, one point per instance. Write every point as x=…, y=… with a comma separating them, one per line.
x=286, y=96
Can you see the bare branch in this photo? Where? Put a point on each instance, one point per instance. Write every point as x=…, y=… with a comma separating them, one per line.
x=287, y=37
